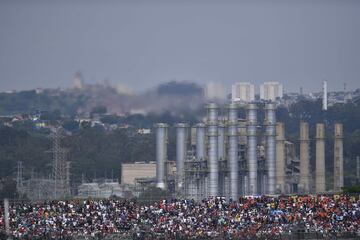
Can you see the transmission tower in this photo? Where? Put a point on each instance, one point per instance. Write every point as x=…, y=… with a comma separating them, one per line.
x=61, y=174
x=19, y=176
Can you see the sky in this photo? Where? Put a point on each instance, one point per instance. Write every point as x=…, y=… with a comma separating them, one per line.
x=141, y=43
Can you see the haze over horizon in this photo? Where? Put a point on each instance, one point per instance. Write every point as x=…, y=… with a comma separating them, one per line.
x=141, y=44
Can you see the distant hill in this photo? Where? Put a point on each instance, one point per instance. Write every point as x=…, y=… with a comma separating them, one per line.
x=172, y=96
x=180, y=89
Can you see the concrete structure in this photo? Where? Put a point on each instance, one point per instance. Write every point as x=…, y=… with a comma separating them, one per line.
x=280, y=157
x=181, y=152
x=131, y=171
x=271, y=91
x=161, y=154
x=233, y=150
x=213, y=167
x=242, y=92
x=338, y=158
x=252, y=148
x=325, y=99
x=304, y=184
x=292, y=168
x=270, y=122
x=320, y=158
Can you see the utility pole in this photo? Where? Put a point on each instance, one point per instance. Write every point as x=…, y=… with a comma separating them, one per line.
x=358, y=169
x=19, y=176
x=7, y=218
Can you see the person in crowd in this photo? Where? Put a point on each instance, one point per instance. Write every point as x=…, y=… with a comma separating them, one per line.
x=247, y=217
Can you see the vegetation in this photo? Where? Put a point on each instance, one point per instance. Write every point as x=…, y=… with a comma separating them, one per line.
x=152, y=194
x=352, y=189
x=96, y=152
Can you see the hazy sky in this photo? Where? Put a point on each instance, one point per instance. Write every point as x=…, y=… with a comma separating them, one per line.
x=299, y=43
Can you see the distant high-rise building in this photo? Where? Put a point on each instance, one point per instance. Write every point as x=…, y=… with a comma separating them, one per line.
x=324, y=105
x=242, y=92
x=215, y=91
x=270, y=91
x=78, y=82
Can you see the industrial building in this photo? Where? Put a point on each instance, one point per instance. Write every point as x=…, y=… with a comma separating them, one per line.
x=130, y=172
x=231, y=156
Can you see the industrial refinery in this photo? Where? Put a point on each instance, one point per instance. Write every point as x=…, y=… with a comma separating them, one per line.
x=230, y=156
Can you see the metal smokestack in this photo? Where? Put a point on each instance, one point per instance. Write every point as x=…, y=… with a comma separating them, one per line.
x=181, y=149
x=320, y=158
x=280, y=157
x=161, y=154
x=252, y=147
x=271, y=147
x=338, y=158
x=233, y=150
x=213, y=166
x=304, y=183
x=200, y=141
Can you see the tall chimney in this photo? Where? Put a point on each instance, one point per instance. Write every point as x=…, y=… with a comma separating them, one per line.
x=320, y=158
x=338, y=158
x=270, y=147
x=221, y=141
x=233, y=151
x=161, y=154
x=252, y=148
x=280, y=157
x=181, y=149
x=324, y=105
x=200, y=141
x=213, y=166
x=304, y=184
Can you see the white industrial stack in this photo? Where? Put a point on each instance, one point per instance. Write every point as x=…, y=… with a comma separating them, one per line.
x=181, y=150
x=213, y=166
x=324, y=104
x=252, y=147
x=233, y=150
x=271, y=147
x=161, y=154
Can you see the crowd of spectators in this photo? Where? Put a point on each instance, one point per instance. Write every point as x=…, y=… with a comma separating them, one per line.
x=248, y=217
